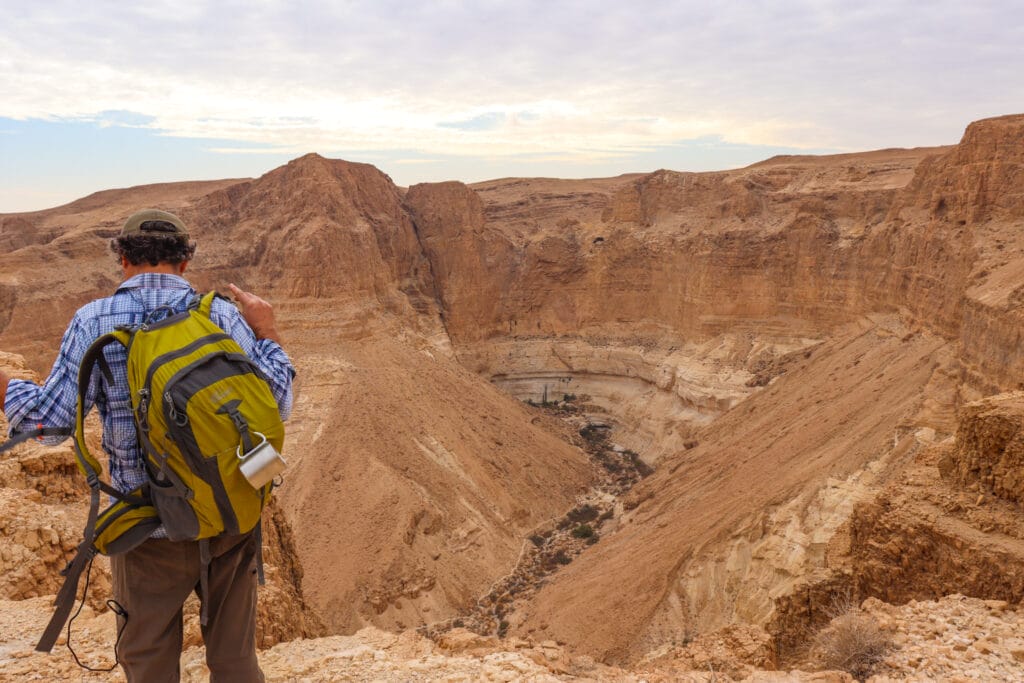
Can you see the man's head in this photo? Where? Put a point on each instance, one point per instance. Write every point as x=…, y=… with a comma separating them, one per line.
x=153, y=238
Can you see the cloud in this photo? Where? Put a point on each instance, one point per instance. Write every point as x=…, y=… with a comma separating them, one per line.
x=486, y=121
x=246, y=150
x=580, y=79
x=126, y=119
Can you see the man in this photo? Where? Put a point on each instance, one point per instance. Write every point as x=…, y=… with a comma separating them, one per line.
x=152, y=581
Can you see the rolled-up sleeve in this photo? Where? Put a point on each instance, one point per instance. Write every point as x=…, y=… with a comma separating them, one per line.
x=53, y=404
x=265, y=353
x=274, y=362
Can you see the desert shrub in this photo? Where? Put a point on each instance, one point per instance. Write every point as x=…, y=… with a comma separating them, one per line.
x=537, y=540
x=583, y=513
x=550, y=559
x=583, y=531
x=642, y=468
x=852, y=641
x=595, y=434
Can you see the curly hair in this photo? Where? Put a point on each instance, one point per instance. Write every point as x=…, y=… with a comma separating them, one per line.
x=153, y=249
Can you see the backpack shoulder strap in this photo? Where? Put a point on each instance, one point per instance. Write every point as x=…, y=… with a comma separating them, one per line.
x=93, y=357
x=203, y=303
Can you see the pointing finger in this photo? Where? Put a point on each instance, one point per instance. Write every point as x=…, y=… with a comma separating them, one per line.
x=239, y=294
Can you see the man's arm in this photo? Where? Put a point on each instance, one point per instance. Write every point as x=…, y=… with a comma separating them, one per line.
x=28, y=405
x=4, y=380
x=252, y=325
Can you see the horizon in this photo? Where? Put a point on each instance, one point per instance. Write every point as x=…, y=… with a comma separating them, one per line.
x=446, y=92
x=243, y=178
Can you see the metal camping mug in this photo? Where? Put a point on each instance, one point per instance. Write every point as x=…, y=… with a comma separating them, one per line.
x=260, y=465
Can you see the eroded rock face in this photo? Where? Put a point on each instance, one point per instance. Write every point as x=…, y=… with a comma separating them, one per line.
x=989, y=449
x=727, y=527
x=783, y=251
x=926, y=533
x=316, y=228
x=284, y=614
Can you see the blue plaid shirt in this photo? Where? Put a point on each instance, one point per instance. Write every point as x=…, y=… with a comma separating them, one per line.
x=53, y=404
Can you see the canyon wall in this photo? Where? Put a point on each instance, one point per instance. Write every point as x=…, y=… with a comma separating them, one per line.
x=941, y=252
x=789, y=246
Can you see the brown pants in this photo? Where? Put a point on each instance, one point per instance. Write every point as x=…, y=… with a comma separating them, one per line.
x=152, y=583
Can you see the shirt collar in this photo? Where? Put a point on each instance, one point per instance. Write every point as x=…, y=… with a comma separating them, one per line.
x=155, y=281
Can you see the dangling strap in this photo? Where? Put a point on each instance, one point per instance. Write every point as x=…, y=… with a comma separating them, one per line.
x=260, y=576
x=73, y=572
x=22, y=437
x=231, y=410
x=117, y=609
x=93, y=541
x=204, y=581
x=91, y=468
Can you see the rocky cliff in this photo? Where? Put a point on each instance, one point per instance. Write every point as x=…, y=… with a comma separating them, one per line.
x=831, y=255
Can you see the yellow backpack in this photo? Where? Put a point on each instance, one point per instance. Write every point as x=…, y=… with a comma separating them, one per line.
x=202, y=409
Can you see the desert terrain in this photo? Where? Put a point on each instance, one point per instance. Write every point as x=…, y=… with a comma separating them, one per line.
x=663, y=426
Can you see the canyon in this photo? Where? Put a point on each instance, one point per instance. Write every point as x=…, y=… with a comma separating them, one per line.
x=813, y=363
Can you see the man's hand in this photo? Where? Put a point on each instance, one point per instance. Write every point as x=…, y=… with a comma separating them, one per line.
x=257, y=312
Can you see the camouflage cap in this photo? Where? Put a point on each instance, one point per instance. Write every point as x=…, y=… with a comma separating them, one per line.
x=154, y=222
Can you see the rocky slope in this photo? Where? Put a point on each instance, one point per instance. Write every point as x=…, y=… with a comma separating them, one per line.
x=749, y=513
x=953, y=639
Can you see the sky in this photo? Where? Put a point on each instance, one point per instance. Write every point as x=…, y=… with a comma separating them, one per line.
x=101, y=94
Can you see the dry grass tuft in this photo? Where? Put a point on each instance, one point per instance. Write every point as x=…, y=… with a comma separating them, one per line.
x=852, y=641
